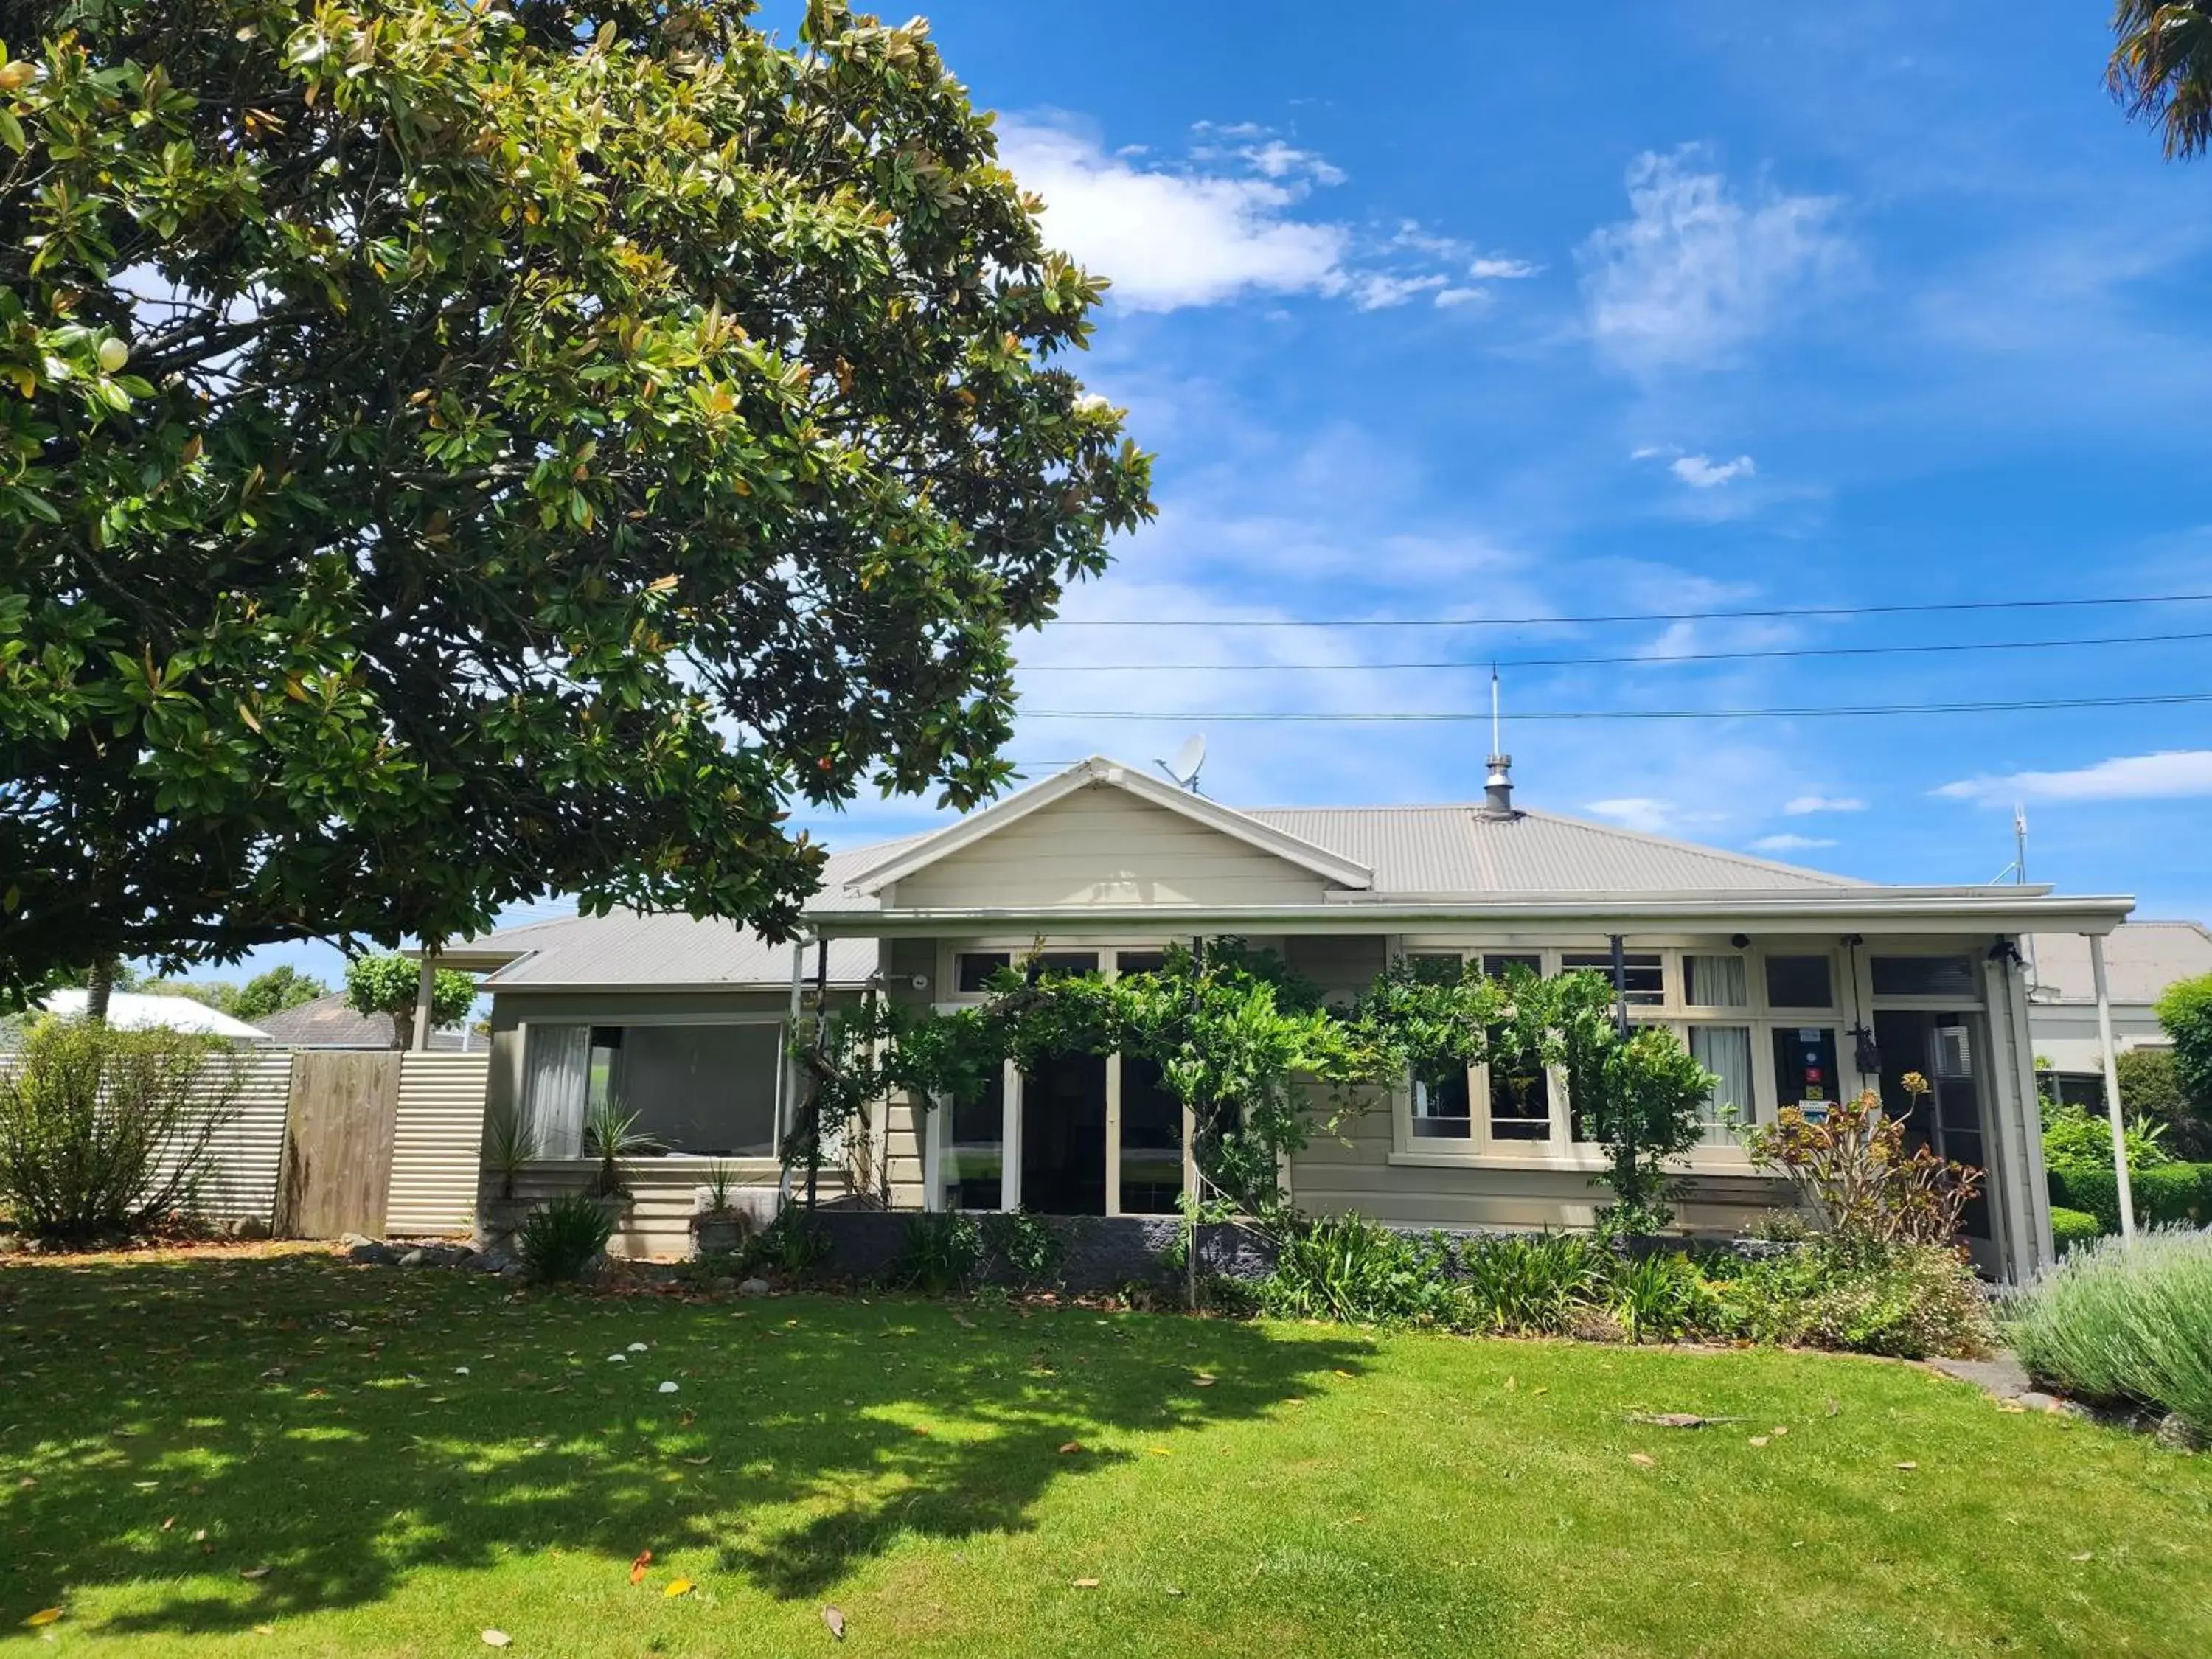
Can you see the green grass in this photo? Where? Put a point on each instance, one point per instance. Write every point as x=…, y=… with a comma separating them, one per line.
x=1333, y=1493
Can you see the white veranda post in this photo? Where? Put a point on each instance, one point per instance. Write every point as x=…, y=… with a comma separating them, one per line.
x=426, y=985
x=2112, y=1087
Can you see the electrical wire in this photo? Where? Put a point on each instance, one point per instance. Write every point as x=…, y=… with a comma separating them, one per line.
x=1463, y=716
x=1779, y=653
x=1951, y=606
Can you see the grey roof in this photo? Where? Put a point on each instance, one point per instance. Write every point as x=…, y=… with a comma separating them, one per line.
x=1448, y=851
x=329, y=1022
x=2142, y=958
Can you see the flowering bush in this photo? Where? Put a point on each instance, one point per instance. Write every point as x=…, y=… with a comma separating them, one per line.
x=1850, y=1164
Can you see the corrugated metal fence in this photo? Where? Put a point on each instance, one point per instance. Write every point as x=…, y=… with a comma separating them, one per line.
x=435, y=1142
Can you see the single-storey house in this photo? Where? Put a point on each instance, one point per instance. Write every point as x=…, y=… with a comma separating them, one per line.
x=146, y=1010
x=332, y=1022
x=1790, y=985
x=2142, y=959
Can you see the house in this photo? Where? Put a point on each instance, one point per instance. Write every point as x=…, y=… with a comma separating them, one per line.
x=137, y=1011
x=332, y=1022
x=2142, y=958
x=1790, y=985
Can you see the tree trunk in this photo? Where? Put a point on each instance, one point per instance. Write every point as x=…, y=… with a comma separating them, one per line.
x=99, y=986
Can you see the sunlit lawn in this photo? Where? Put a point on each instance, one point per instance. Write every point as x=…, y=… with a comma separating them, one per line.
x=417, y=1457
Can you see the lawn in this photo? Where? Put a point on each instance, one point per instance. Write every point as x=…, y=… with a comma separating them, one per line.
x=413, y=1457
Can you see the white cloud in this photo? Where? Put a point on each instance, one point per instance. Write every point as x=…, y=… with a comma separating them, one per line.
x=1801, y=806
x=1448, y=297
x=1636, y=811
x=1695, y=273
x=1169, y=239
x=1378, y=289
x=1704, y=472
x=1789, y=843
x=2169, y=775
x=1277, y=159
x=1496, y=268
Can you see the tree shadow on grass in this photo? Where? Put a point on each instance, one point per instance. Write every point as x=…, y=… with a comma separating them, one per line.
x=184, y=1424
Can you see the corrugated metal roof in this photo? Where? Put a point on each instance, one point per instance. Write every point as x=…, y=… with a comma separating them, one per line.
x=1441, y=851
x=2142, y=958
x=330, y=1023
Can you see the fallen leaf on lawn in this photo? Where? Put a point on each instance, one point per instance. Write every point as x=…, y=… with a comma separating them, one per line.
x=698, y=1462
x=677, y=1587
x=1779, y=1428
x=963, y=1322
x=1159, y=1451
x=1512, y=1382
x=835, y=1620
x=264, y=1630
x=2086, y=1555
x=1202, y=1381
x=200, y=1536
x=1759, y=1440
x=496, y=1638
x=43, y=1616
x=668, y=1387
x=637, y=1567
x=1086, y=1583
x=1175, y=1590
x=1642, y=1461
x=637, y=1347
x=168, y=1523
x=254, y=1572
x=1908, y=1466
x=2010, y=1405
x=1542, y=1388
x=1343, y=1374
x=1835, y=1405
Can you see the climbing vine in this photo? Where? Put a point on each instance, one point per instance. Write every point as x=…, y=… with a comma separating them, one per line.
x=1262, y=1065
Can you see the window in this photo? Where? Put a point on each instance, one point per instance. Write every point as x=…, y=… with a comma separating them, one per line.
x=1725, y=1051
x=972, y=1155
x=1497, y=966
x=1520, y=1097
x=972, y=970
x=1151, y=1140
x=709, y=1089
x=1800, y=982
x=1643, y=974
x=1139, y=962
x=1805, y=1065
x=1434, y=968
x=1715, y=982
x=1065, y=964
x=1952, y=978
x=1441, y=1109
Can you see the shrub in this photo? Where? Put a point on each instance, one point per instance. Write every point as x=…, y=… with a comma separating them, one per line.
x=1906, y=1300
x=103, y=1131
x=2113, y=1321
x=1025, y=1248
x=561, y=1239
x=2072, y=1228
x=2073, y=1137
x=1851, y=1165
x=792, y=1245
x=1346, y=1267
x=941, y=1254
x=1529, y=1284
x=2186, y=1013
x=1660, y=1296
x=2152, y=1093
x=2173, y=1192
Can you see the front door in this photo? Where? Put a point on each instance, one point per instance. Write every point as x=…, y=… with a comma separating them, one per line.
x=1064, y=1136
x=1940, y=1047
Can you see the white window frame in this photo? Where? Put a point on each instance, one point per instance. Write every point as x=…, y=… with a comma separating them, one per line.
x=624, y=1018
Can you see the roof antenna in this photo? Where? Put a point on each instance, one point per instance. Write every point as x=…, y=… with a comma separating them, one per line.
x=1498, y=787
x=1183, y=771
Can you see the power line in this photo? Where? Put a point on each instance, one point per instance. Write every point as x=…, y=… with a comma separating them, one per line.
x=1444, y=716
x=1624, y=616
x=1586, y=662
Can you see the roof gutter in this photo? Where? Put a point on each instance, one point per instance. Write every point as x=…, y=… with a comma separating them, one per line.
x=1936, y=911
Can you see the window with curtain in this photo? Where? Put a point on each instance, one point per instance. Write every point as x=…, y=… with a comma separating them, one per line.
x=1725, y=1051
x=556, y=1064
x=1715, y=982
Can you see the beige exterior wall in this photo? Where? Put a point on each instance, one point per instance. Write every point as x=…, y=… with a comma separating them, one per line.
x=1103, y=846
x=665, y=1194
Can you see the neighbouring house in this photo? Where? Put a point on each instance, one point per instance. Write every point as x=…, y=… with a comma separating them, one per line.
x=2142, y=958
x=136, y=1010
x=331, y=1022
x=1788, y=984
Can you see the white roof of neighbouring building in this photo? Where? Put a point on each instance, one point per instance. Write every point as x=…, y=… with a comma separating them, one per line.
x=134, y=1010
x=2142, y=958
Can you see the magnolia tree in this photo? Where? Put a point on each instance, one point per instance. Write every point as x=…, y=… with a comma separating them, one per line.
x=455, y=454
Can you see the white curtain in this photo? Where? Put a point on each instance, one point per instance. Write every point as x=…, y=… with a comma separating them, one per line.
x=556, y=1064
x=1725, y=1051
x=1718, y=982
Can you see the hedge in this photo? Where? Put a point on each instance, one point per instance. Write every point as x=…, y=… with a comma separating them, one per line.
x=2175, y=1193
x=2071, y=1227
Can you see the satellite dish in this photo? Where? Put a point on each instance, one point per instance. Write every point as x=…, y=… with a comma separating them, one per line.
x=1184, y=767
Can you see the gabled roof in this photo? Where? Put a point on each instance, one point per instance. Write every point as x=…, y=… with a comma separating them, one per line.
x=139, y=1011
x=2142, y=958
x=332, y=1022
x=1099, y=772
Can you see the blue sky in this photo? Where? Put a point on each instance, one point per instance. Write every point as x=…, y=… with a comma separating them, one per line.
x=1686, y=306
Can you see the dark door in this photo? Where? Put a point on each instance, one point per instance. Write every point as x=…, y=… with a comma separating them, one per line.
x=1948, y=1117
x=1064, y=1136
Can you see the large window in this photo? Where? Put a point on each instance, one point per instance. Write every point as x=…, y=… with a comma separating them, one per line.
x=705, y=1089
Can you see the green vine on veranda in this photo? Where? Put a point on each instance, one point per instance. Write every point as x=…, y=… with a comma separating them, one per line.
x=1263, y=1064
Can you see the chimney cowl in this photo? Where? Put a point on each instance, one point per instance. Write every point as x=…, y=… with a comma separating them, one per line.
x=1497, y=789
